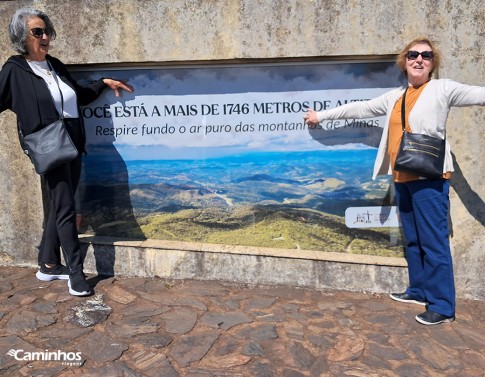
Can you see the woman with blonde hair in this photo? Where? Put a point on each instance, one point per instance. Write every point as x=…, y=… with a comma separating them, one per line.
x=423, y=203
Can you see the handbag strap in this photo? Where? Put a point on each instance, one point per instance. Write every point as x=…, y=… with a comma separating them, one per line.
x=61, y=116
x=54, y=75
x=403, y=110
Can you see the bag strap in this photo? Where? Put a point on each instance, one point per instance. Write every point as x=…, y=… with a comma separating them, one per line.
x=403, y=110
x=54, y=75
x=61, y=116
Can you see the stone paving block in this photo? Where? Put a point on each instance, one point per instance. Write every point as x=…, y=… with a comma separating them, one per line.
x=54, y=337
x=471, y=337
x=224, y=362
x=267, y=317
x=263, y=332
x=225, y=320
x=383, y=319
x=474, y=358
x=12, y=342
x=356, y=369
x=278, y=352
x=205, y=372
x=294, y=330
x=179, y=320
x=5, y=286
x=449, y=337
x=47, y=369
x=375, y=363
x=16, y=300
x=431, y=353
x=152, y=364
x=224, y=345
x=225, y=303
x=260, y=303
x=263, y=369
x=410, y=369
x=100, y=347
x=190, y=348
x=302, y=356
x=292, y=373
x=88, y=313
x=116, y=368
x=253, y=349
x=143, y=309
x=385, y=352
x=173, y=301
x=348, y=347
x=195, y=288
x=43, y=306
x=26, y=321
x=319, y=367
x=322, y=341
x=130, y=327
x=152, y=340
x=119, y=294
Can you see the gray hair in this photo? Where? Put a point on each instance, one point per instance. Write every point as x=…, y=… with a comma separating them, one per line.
x=18, y=30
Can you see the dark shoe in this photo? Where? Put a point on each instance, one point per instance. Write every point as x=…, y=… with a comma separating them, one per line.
x=404, y=297
x=78, y=286
x=54, y=273
x=432, y=318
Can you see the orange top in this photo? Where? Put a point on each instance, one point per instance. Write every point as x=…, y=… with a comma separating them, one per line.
x=395, y=133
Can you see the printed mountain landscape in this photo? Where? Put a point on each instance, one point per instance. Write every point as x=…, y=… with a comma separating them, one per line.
x=293, y=200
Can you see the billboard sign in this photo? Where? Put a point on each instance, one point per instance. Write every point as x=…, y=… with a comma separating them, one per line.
x=221, y=154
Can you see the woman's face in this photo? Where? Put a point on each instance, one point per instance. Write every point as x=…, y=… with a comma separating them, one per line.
x=37, y=45
x=419, y=69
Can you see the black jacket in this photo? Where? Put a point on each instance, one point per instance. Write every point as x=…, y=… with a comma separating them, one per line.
x=28, y=96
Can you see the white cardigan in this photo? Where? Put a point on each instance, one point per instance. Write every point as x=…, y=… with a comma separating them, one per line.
x=428, y=115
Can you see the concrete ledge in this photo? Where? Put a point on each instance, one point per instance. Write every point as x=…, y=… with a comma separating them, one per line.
x=239, y=264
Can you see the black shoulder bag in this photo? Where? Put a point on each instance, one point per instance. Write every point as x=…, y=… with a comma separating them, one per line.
x=51, y=146
x=419, y=154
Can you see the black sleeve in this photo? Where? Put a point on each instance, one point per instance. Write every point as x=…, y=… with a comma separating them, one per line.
x=5, y=91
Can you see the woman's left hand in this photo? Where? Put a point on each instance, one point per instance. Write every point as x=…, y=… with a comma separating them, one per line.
x=116, y=85
x=311, y=118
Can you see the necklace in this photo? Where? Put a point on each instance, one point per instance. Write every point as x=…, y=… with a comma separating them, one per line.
x=42, y=68
x=48, y=75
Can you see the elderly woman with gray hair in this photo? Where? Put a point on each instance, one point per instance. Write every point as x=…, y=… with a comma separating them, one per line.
x=38, y=88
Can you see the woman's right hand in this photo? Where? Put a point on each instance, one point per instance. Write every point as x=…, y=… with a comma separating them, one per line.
x=116, y=85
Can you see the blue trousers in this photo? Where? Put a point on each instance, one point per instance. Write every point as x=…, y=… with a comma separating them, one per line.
x=423, y=209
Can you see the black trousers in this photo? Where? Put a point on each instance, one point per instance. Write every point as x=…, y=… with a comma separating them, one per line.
x=60, y=229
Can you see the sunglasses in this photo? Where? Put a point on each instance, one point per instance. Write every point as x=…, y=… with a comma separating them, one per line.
x=413, y=55
x=39, y=32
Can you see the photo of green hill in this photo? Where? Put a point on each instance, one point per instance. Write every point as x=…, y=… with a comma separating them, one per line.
x=298, y=229
x=291, y=201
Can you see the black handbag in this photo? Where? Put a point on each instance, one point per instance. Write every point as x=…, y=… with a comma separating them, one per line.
x=419, y=154
x=51, y=146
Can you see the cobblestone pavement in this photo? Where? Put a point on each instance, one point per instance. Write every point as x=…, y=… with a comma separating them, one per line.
x=163, y=328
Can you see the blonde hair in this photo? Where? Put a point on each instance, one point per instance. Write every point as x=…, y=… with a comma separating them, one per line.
x=402, y=57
